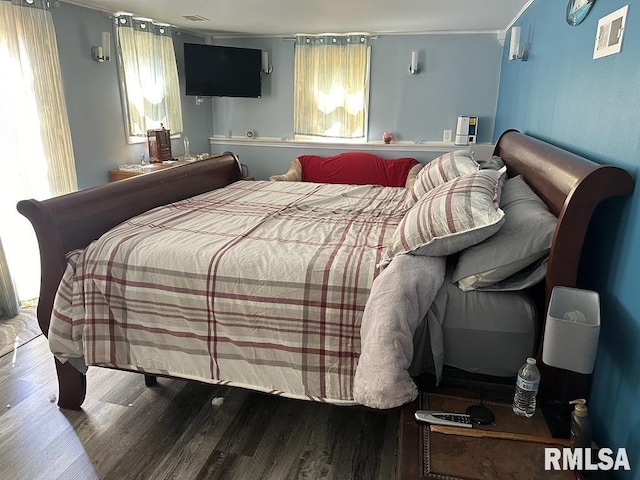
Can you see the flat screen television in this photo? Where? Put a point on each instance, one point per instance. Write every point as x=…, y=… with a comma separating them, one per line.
x=218, y=71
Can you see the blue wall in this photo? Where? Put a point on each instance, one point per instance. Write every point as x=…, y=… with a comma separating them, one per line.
x=459, y=76
x=92, y=93
x=591, y=107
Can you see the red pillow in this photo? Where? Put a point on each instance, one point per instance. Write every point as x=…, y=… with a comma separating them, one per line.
x=356, y=168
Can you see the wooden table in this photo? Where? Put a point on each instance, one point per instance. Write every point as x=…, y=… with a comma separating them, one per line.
x=120, y=174
x=512, y=446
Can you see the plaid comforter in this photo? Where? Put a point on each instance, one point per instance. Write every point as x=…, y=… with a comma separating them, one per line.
x=258, y=284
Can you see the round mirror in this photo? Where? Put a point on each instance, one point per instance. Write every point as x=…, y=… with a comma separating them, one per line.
x=577, y=10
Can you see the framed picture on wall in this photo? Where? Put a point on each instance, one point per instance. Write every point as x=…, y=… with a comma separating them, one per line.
x=577, y=10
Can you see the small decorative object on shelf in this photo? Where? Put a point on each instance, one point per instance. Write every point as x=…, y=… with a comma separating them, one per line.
x=187, y=156
x=159, y=144
x=387, y=137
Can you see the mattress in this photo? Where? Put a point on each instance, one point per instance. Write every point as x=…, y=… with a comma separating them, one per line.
x=489, y=333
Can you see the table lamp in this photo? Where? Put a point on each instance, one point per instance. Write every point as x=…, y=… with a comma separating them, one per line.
x=570, y=340
x=572, y=329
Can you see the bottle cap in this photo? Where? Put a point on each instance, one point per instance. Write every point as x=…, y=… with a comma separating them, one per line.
x=580, y=408
x=531, y=361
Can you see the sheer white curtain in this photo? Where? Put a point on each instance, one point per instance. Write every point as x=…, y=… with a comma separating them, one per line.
x=331, y=84
x=148, y=65
x=36, y=154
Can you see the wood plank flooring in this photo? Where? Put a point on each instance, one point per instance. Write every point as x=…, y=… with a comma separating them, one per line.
x=172, y=431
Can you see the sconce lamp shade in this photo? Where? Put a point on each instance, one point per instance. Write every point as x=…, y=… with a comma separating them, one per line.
x=106, y=45
x=102, y=53
x=572, y=329
x=514, y=46
x=266, y=67
x=413, y=66
x=517, y=50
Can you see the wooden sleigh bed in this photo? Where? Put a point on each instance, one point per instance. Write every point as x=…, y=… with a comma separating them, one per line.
x=570, y=185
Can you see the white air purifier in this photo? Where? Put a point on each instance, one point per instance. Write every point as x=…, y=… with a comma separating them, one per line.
x=466, y=130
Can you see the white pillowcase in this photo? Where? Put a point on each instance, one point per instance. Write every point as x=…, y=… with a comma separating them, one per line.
x=451, y=217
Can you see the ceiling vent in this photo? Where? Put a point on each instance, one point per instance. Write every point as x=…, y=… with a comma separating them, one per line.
x=195, y=18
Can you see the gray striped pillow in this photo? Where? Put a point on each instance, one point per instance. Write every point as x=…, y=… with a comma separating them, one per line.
x=441, y=170
x=451, y=217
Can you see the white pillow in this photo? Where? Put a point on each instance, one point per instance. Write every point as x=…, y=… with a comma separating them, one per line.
x=451, y=217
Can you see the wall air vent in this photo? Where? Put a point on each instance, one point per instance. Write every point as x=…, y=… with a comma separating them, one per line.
x=195, y=18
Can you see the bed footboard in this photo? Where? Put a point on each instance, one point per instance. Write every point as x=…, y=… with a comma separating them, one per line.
x=73, y=221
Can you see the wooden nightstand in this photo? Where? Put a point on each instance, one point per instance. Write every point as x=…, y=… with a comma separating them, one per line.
x=120, y=174
x=511, y=447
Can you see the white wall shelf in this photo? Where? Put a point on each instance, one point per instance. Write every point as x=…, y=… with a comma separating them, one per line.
x=368, y=146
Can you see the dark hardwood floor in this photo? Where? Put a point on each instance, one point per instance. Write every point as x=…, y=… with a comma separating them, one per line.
x=172, y=430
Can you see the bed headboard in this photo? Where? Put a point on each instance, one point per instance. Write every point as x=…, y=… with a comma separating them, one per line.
x=571, y=186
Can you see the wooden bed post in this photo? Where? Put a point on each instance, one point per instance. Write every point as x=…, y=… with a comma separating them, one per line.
x=72, y=386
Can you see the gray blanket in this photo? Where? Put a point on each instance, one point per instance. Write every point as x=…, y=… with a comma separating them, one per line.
x=400, y=299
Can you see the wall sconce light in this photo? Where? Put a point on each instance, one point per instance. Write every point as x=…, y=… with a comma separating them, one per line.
x=102, y=53
x=518, y=51
x=266, y=68
x=414, y=67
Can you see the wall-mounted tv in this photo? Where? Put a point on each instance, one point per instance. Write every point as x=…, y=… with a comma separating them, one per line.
x=218, y=71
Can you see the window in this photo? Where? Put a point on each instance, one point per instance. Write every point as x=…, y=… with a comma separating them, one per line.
x=149, y=74
x=331, y=81
x=35, y=139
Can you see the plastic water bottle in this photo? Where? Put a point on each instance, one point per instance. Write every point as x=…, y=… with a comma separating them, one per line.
x=524, y=401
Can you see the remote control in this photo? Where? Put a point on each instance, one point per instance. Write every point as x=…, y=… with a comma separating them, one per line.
x=442, y=418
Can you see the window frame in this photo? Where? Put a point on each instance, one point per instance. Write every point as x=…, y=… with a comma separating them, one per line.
x=124, y=98
x=355, y=38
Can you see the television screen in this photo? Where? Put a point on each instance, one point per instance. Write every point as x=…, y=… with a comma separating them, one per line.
x=217, y=71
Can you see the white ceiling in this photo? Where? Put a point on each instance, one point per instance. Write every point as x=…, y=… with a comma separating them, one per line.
x=287, y=17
